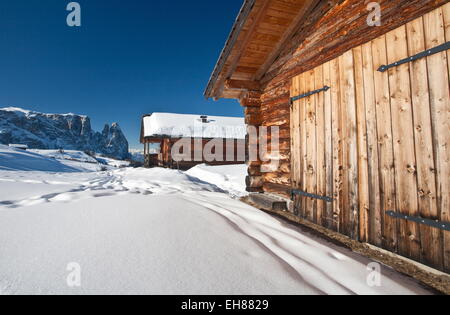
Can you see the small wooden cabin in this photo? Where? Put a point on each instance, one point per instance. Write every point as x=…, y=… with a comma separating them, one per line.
x=194, y=140
x=363, y=107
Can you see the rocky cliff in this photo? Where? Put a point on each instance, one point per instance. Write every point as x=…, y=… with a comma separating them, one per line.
x=57, y=131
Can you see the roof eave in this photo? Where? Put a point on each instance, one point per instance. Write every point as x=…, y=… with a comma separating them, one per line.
x=226, y=51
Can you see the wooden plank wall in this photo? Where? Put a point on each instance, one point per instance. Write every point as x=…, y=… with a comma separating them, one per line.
x=377, y=141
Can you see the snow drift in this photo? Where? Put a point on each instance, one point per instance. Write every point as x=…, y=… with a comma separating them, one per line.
x=12, y=159
x=160, y=231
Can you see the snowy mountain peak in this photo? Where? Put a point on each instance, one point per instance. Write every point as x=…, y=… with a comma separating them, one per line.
x=31, y=112
x=15, y=109
x=55, y=131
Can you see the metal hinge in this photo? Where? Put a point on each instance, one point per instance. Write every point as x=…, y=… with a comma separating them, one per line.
x=297, y=192
x=299, y=97
x=436, y=224
x=426, y=53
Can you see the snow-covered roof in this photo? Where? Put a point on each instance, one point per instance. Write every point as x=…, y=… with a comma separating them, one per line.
x=193, y=126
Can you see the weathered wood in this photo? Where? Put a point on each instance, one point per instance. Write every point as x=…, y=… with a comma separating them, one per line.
x=350, y=145
x=320, y=146
x=268, y=203
x=252, y=116
x=337, y=143
x=363, y=168
x=277, y=177
x=295, y=133
x=431, y=240
x=242, y=85
x=282, y=190
x=440, y=115
x=385, y=144
x=311, y=153
x=254, y=181
x=302, y=147
x=250, y=102
x=445, y=203
x=328, y=143
x=254, y=170
x=375, y=217
x=404, y=147
x=375, y=141
x=343, y=27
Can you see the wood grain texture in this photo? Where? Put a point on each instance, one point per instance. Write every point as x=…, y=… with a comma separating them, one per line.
x=440, y=115
x=403, y=140
x=431, y=239
x=445, y=215
x=385, y=144
x=375, y=216
x=362, y=156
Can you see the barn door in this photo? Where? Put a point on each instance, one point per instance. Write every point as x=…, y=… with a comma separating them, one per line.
x=376, y=143
x=324, y=144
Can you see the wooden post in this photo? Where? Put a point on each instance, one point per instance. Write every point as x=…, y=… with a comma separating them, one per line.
x=251, y=103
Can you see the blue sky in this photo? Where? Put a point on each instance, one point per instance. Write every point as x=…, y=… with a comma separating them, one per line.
x=129, y=57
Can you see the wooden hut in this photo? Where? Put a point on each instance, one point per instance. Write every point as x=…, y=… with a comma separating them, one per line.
x=360, y=91
x=182, y=141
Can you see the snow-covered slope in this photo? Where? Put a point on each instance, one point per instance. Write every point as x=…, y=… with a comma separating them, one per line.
x=17, y=160
x=69, y=155
x=159, y=231
x=52, y=161
x=58, y=131
x=230, y=178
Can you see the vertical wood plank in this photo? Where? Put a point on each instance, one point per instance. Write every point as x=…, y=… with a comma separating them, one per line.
x=344, y=206
x=336, y=139
x=404, y=146
x=431, y=238
x=294, y=123
x=296, y=149
x=320, y=145
x=303, y=144
x=311, y=157
x=438, y=77
x=375, y=222
x=303, y=151
x=328, y=143
x=294, y=173
x=446, y=214
x=385, y=145
x=363, y=169
x=446, y=12
x=349, y=145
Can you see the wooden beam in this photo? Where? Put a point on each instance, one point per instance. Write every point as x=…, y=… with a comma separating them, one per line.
x=242, y=85
x=301, y=16
x=325, y=37
x=243, y=44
